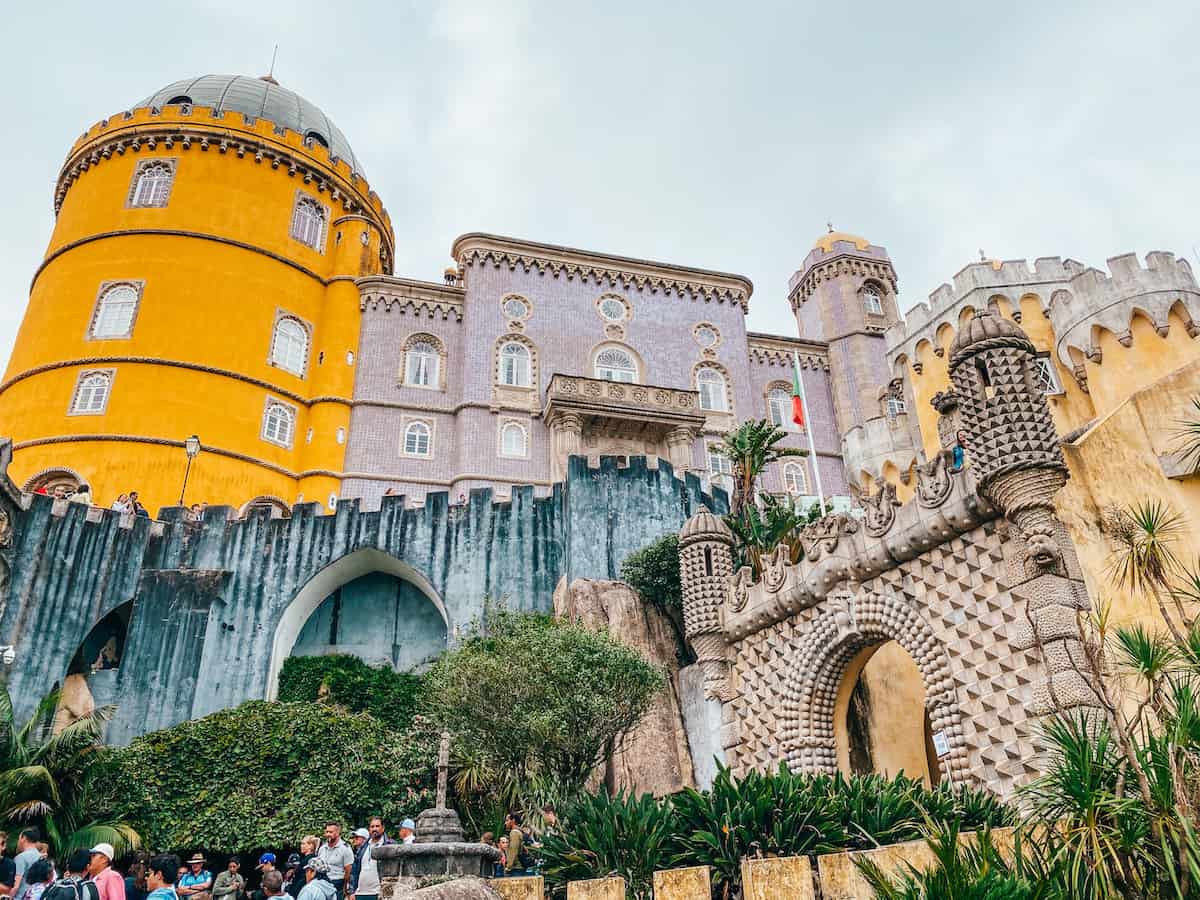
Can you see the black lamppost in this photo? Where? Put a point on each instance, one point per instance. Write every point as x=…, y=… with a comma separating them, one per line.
x=192, y=448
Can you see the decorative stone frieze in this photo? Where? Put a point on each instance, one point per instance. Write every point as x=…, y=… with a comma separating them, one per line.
x=419, y=298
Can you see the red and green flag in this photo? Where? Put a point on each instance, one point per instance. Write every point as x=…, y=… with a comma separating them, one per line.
x=797, y=394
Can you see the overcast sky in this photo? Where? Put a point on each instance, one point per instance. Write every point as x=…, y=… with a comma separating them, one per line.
x=718, y=135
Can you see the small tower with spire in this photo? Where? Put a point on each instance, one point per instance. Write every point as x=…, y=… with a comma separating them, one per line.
x=705, y=572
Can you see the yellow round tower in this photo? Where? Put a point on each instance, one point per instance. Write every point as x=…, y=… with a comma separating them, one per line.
x=199, y=281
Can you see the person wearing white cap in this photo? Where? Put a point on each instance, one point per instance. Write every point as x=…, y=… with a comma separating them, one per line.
x=109, y=883
x=408, y=831
x=364, y=877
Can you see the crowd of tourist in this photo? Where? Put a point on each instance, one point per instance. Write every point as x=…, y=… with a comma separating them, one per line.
x=325, y=868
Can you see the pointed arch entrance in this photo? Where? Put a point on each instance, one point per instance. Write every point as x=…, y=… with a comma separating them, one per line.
x=836, y=646
x=325, y=584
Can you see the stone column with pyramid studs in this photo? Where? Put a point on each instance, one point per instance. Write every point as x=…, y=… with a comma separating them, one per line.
x=1012, y=448
x=705, y=570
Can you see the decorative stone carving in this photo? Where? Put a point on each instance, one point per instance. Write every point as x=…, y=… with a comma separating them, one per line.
x=934, y=482
x=775, y=569
x=880, y=509
x=822, y=536
x=739, y=590
x=949, y=421
x=5, y=529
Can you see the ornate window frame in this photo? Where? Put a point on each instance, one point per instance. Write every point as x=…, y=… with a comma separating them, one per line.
x=280, y=316
x=293, y=419
x=708, y=348
x=109, y=375
x=639, y=366
x=1047, y=375
x=515, y=338
x=518, y=321
x=52, y=477
x=795, y=465
x=720, y=474
x=159, y=198
x=430, y=424
x=604, y=298
x=318, y=245
x=880, y=294
x=503, y=425
x=724, y=373
x=787, y=424
x=438, y=383
x=138, y=286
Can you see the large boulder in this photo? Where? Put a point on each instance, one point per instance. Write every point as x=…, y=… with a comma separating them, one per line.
x=654, y=757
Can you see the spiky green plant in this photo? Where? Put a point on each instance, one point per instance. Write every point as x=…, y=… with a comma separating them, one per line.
x=750, y=448
x=44, y=777
x=1145, y=560
x=1187, y=437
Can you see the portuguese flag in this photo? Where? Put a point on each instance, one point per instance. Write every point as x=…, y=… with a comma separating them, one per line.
x=797, y=393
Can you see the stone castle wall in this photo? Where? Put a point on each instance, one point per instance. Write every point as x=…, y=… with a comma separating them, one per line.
x=216, y=606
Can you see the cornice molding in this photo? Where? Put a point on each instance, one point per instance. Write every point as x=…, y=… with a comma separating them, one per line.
x=841, y=264
x=423, y=297
x=224, y=140
x=176, y=364
x=604, y=269
x=178, y=232
x=777, y=351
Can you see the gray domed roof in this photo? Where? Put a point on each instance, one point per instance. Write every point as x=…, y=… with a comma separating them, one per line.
x=704, y=526
x=260, y=98
x=985, y=325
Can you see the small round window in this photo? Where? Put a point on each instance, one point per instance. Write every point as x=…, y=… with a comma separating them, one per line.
x=613, y=309
x=706, y=336
x=515, y=308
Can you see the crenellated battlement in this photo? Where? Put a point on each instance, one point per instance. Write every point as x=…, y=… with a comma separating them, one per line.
x=1073, y=296
x=228, y=131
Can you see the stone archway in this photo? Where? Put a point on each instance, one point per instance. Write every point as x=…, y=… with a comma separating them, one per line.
x=839, y=633
x=338, y=573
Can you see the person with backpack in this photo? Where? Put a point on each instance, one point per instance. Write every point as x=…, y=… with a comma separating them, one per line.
x=519, y=860
x=161, y=872
x=74, y=884
x=108, y=880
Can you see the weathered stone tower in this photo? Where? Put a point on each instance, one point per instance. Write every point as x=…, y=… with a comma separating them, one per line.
x=845, y=294
x=705, y=570
x=1014, y=453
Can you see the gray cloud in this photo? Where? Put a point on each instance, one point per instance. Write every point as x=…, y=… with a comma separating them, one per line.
x=702, y=133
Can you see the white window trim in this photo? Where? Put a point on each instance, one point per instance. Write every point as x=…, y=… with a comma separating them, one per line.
x=726, y=400
x=280, y=315
x=105, y=287
x=873, y=290
x=1046, y=367
x=295, y=417
x=503, y=426
x=171, y=163
x=803, y=470
x=788, y=424
x=437, y=382
x=635, y=364
x=323, y=229
x=895, y=406
x=531, y=370
x=722, y=475
x=73, y=406
x=407, y=423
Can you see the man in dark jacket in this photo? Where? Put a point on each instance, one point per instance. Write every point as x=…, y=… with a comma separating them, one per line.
x=364, y=876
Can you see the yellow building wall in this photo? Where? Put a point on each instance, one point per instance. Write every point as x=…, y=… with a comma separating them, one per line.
x=218, y=268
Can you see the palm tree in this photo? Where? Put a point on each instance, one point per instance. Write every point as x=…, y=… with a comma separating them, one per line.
x=1145, y=560
x=43, y=777
x=750, y=448
x=1187, y=435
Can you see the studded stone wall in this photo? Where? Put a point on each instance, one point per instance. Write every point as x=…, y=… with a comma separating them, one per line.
x=952, y=609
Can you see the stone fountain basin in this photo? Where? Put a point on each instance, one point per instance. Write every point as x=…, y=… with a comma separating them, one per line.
x=435, y=858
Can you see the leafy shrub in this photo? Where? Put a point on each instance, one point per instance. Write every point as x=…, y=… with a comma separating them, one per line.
x=347, y=681
x=265, y=773
x=620, y=834
x=653, y=572
x=535, y=696
x=765, y=813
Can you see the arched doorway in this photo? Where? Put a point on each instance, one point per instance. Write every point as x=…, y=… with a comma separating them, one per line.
x=881, y=722
x=354, y=586
x=47, y=480
x=835, y=649
x=91, y=678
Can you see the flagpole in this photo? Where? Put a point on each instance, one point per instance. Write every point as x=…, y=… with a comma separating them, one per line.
x=812, y=447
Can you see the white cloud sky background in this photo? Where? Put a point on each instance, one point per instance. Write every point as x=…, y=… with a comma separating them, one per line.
x=709, y=134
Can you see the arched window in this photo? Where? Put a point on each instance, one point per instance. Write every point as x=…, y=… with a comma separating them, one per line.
x=711, y=385
x=513, y=438
x=308, y=222
x=514, y=364
x=91, y=393
x=279, y=423
x=614, y=364
x=795, y=479
x=720, y=468
x=872, y=300
x=779, y=408
x=152, y=184
x=417, y=440
x=318, y=138
x=115, y=311
x=421, y=364
x=289, y=345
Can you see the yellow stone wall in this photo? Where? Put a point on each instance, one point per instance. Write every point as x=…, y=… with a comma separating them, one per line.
x=218, y=265
x=694, y=883
x=783, y=878
x=597, y=889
